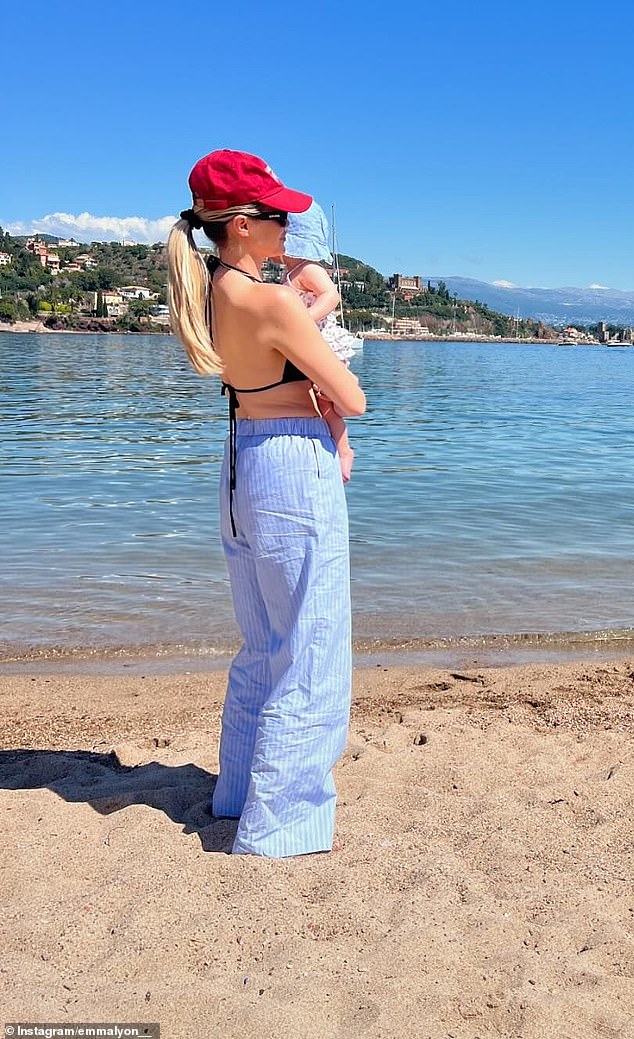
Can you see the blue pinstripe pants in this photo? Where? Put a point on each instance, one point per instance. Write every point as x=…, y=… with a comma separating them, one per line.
x=285, y=718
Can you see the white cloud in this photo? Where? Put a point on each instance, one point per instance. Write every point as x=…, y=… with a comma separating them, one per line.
x=597, y=286
x=504, y=284
x=88, y=228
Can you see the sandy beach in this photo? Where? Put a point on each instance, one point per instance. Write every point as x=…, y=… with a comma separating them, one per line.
x=24, y=326
x=484, y=885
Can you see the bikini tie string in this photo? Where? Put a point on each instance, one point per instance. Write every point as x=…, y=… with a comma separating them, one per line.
x=229, y=391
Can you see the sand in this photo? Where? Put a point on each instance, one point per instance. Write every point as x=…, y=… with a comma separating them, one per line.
x=484, y=886
x=23, y=326
x=37, y=326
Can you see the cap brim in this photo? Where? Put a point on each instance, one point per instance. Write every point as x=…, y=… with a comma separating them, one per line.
x=287, y=200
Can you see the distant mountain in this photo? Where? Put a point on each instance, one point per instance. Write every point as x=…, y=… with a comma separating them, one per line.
x=552, y=306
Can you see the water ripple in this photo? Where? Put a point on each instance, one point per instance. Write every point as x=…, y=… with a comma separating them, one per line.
x=491, y=492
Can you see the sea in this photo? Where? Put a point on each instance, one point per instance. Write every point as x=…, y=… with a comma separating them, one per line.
x=491, y=504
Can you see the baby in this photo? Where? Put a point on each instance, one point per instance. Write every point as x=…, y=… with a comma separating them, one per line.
x=306, y=246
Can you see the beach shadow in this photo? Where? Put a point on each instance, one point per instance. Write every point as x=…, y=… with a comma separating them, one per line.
x=182, y=792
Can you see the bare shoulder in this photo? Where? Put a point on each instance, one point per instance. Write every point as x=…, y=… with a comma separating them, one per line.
x=281, y=299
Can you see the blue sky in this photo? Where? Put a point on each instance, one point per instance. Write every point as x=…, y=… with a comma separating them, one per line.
x=488, y=140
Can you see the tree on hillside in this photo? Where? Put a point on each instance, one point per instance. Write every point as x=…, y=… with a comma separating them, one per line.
x=141, y=307
x=108, y=278
x=8, y=310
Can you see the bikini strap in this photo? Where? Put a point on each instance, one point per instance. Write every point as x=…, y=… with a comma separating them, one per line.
x=214, y=262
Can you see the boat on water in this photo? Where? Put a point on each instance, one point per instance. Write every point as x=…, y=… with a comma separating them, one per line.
x=376, y=333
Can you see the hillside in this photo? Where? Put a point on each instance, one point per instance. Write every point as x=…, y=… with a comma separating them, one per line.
x=65, y=285
x=70, y=286
x=370, y=301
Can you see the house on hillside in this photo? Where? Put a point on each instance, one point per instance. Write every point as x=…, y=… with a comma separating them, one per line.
x=116, y=304
x=137, y=292
x=47, y=257
x=86, y=261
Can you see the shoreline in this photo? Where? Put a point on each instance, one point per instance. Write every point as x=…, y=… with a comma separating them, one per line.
x=502, y=650
x=38, y=327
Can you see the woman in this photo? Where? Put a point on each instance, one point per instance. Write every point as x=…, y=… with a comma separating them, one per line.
x=283, y=512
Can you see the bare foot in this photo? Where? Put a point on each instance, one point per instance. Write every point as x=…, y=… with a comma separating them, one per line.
x=346, y=460
x=336, y=846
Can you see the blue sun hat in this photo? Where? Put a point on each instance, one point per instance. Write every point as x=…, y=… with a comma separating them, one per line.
x=307, y=235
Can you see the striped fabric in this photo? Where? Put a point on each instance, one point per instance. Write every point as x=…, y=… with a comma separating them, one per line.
x=285, y=718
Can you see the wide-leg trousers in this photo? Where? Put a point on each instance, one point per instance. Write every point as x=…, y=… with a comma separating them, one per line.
x=285, y=717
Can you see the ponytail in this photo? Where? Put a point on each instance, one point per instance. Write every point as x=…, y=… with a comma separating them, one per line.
x=187, y=295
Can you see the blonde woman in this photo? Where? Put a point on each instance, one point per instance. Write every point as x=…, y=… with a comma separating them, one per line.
x=283, y=512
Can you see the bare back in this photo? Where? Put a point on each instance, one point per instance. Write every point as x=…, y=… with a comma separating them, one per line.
x=245, y=340
x=257, y=328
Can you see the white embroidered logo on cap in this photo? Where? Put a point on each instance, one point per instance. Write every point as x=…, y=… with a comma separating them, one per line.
x=267, y=169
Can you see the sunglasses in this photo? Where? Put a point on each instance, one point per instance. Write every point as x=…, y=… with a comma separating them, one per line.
x=278, y=215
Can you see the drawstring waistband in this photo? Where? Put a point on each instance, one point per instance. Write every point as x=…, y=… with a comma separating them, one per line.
x=302, y=426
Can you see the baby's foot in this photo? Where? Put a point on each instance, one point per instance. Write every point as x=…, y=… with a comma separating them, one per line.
x=346, y=460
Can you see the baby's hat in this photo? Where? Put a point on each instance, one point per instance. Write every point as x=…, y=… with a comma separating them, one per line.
x=307, y=235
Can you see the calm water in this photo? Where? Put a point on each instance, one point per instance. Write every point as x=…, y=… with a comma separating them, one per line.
x=492, y=492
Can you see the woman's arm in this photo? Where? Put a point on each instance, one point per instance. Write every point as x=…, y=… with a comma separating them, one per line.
x=291, y=331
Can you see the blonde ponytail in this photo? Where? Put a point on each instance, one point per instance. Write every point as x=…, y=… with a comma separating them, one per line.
x=187, y=296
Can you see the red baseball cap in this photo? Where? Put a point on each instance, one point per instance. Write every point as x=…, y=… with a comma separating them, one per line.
x=225, y=178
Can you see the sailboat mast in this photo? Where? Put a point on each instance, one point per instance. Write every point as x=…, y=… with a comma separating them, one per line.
x=337, y=272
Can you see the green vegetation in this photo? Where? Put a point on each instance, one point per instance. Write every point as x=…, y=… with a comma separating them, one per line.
x=76, y=298
x=10, y=310
x=28, y=289
x=25, y=272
